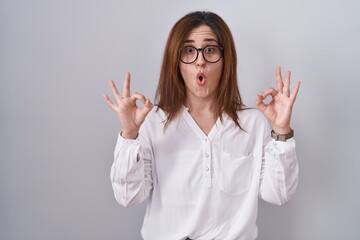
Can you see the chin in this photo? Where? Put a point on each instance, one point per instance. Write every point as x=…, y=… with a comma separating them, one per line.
x=202, y=92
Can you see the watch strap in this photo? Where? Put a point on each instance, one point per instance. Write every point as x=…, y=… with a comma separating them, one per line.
x=282, y=137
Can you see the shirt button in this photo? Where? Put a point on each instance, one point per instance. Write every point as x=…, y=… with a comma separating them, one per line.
x=207, y=169
x=206, y=155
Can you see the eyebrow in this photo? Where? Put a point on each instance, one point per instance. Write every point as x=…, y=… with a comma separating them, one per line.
x=205, y=40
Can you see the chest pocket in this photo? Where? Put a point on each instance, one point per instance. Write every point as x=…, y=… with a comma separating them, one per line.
x=235, y=174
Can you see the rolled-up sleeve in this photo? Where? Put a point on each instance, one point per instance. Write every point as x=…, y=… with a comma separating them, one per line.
x=279, y=172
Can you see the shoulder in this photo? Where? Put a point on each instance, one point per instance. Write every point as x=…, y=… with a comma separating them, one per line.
x=252, y=118
x=156, y=115
x=251, y=114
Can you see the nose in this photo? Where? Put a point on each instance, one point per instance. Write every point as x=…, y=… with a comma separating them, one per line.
x=200, y=61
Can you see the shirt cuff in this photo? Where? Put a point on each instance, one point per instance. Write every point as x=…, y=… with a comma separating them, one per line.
x=281, y=146
x=128, y=147
x=126, y=139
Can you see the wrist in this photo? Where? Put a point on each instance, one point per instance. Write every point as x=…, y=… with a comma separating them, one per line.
x=282, y=130
x=129, y=135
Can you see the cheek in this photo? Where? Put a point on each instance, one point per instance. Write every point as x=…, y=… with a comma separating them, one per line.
x=218, y=71
x=184, y=71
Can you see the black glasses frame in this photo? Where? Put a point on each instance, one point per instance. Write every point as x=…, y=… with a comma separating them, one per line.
x=202, y=52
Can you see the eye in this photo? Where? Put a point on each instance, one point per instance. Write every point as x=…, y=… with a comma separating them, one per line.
x=189, y=50
x=209, y=50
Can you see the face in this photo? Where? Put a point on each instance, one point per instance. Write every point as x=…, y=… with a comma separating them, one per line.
x=201, y=77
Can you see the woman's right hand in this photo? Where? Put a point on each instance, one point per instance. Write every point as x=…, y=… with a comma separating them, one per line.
x=131, y=116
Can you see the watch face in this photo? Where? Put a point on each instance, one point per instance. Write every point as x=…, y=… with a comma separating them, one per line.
x=282, y=137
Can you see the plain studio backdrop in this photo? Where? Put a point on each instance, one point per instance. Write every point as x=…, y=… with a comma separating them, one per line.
x=57, y=135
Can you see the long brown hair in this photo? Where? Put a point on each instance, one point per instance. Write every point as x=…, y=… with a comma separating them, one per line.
x=171, y=91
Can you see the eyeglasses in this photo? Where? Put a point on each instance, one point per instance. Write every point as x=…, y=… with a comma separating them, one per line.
x=211, y=54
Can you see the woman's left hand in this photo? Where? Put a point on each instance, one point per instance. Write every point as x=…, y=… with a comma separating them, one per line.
x=278, y=111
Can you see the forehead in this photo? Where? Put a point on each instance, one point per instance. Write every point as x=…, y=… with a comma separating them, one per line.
x=200, y=33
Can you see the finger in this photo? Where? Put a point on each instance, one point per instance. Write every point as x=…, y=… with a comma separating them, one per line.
x=259, y=102
x=138, y=96
x=295, y=90
x=109, y=102
x=286, y=88
x=126, y=89
x=268, y=92
x=114, y=91
x=279, y=82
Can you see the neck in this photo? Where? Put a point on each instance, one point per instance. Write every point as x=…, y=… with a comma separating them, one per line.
x=201, y=106
x=203, y=112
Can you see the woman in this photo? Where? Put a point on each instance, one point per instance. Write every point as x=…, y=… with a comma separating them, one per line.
x=200, y=157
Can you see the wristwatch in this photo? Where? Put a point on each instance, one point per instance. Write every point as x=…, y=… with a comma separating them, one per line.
x=282, y=137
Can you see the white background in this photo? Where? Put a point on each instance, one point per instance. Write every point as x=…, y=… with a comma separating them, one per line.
x=57, y=135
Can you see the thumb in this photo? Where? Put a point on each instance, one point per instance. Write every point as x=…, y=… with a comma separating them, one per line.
x=259, y=103
x=148, y=106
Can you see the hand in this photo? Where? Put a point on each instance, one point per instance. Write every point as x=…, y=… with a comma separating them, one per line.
x=278, y=111
x=131, y=116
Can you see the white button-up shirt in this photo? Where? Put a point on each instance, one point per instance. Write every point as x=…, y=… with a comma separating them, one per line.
x=203, y=186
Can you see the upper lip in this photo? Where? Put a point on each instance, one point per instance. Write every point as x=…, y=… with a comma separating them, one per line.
x=200, y=74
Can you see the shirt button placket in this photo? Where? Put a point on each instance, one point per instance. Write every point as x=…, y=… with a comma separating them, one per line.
x=207, y=162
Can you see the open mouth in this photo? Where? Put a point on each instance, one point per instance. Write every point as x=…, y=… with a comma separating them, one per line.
x=201, y=79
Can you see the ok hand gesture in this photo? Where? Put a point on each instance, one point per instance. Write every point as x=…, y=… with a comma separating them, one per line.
x=131, y=116
x=278, y=111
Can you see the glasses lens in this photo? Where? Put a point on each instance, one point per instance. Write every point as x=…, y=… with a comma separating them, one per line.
x=188, y=54
x=212, y=54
